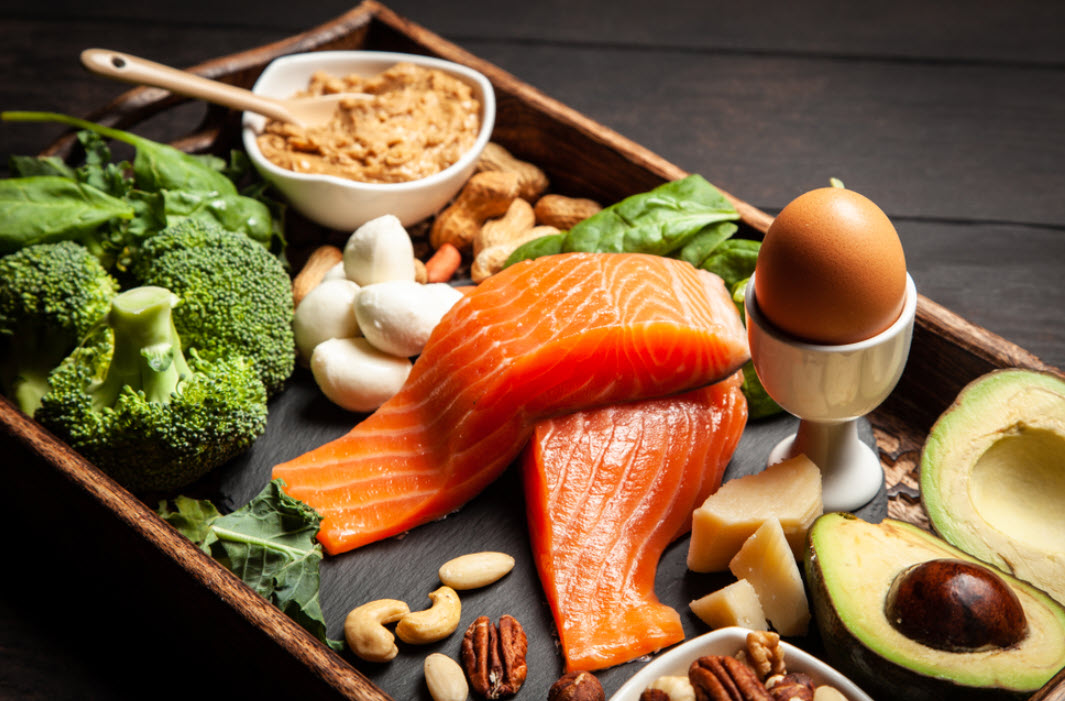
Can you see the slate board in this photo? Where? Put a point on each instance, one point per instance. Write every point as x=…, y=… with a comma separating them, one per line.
x=405, y=567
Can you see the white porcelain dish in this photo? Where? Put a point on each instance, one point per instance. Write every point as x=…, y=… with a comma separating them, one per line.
x=341, y=203
x=726, y=641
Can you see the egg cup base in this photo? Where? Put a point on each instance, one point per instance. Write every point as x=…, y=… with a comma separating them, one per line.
x=851, y=475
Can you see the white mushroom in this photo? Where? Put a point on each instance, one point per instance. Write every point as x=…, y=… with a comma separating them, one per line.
x=380, y=250
x=398, y=316
x=337, y=272
x=328, y=311
x=356, y=376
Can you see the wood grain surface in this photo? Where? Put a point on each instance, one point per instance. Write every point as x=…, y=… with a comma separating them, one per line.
x=951, y=117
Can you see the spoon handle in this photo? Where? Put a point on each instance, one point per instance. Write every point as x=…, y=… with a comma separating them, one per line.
x=132, y=69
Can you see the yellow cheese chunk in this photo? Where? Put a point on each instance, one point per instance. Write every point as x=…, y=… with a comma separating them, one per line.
x=789, y=491
x=734, y=605
x=766, y=561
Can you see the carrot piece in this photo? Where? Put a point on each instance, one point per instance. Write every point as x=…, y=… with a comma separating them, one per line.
x=442, y=265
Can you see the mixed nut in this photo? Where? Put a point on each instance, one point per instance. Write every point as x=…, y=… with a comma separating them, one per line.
x=755, y=673
x=493, y=656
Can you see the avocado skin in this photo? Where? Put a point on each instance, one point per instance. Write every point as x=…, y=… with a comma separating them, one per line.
x=881, y=678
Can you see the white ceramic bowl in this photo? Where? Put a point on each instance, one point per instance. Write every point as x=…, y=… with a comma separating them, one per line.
x=341, y=203
x=726, y=641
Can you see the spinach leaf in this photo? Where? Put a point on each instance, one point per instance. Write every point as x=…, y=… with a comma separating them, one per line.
x=703, y=243
x=49, y=208
x=542, y=246
x=232, y=211
x=660, y=222
x=759, y=403
x=269, y=543
x=26, y=166
x=733, y=261
x=156, y=166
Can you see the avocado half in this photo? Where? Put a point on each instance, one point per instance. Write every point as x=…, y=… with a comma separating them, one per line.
x=850, y=566
x=993, y=475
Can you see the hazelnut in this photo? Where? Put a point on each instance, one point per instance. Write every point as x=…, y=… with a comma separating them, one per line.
x=577, y=686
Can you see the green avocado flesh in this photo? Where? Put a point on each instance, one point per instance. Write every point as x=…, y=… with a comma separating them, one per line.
x=993, y=475
x=850, y=566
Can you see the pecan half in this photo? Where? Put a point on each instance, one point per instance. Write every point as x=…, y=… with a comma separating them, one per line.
x=724, y=678
x=494, y=656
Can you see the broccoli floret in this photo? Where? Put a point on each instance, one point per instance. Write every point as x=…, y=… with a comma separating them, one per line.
x=134, y=404
x=236, y=297
x=51, y=295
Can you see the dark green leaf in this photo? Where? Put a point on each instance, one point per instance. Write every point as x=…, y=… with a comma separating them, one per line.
x=232, y=211
x=543, y=246
x=733, y=260
x=48, y=208
x=191, y=517
x=703, y=243
x=660, y=221
x=156, y=166
x=26, y=166
x=270, y=544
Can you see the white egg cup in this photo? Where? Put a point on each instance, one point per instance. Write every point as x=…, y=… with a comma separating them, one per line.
x=830, y=387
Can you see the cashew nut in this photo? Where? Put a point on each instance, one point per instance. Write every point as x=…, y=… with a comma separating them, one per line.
x=365, y=631
x=434, y=623
x=676, y=687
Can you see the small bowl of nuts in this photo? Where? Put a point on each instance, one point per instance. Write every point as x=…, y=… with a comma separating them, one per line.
x=404, y=138
x=745, y=657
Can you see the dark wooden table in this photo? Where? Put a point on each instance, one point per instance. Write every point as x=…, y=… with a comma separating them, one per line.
x=950, y=115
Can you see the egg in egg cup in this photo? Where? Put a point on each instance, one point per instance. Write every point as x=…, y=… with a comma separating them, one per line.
x=830, y=387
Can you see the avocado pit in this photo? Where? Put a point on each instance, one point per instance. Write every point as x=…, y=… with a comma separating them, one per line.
x=955, y=606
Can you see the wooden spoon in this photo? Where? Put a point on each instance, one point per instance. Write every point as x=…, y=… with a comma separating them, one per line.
x=302, y=111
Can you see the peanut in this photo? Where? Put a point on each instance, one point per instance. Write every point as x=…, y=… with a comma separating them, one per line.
x=475, y=569
x=533, y=181
x=484, y=196
x=518, y=219
x=564, y=212
x=491, y=260
x=314, y=270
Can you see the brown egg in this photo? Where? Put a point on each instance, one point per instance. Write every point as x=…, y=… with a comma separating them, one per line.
x=831, y=269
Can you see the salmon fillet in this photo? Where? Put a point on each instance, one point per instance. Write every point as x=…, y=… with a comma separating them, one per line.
x=607, y=490
x=544, y=337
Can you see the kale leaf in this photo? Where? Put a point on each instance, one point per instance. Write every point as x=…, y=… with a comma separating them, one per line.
x=269, y=543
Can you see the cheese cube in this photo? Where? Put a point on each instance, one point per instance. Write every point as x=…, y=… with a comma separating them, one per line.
x=789, y=491
x=734, y=605
x=766, y=561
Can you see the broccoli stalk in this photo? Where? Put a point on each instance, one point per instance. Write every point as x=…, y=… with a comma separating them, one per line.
x=142, y=410
x=147, y=351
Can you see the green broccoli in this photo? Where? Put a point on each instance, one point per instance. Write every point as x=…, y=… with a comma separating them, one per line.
x=51, y=295
x=134, y=404
x=236, y=297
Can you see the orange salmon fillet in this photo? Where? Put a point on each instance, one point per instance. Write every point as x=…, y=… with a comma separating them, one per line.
x=544, y=337
x=607, y=490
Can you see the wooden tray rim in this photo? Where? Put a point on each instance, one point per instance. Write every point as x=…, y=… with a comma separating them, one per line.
x=139, y=103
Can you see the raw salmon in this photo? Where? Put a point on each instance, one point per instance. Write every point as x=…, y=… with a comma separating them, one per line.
x=607, y=490
x=544, y=337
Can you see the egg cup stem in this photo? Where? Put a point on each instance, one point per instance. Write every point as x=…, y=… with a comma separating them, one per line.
x=851, y=474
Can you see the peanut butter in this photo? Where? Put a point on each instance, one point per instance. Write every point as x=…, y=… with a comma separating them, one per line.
x=416, y=121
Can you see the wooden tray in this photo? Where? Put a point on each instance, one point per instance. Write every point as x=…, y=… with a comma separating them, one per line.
x=576, y=152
